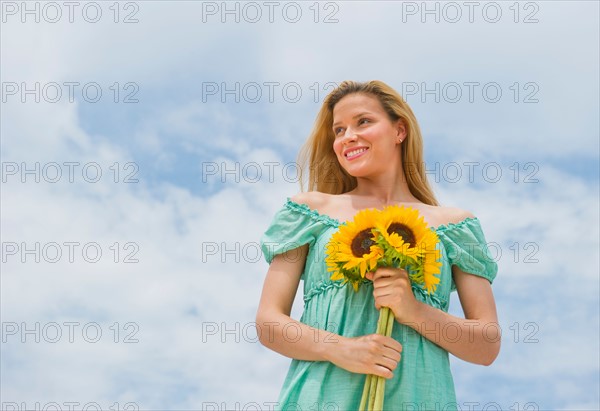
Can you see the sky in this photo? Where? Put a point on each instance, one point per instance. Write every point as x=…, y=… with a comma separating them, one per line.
x=146, y=146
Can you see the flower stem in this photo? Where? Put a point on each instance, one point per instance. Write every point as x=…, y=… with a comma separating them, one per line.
x=390, y=323
x=379, y=394
x=385, y=317
x=372, y=391
x=365, y=394
x=374, y=388
x=368, y=396
x=377, y=383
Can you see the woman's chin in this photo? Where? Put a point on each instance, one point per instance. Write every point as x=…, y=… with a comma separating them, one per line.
x=357, y=173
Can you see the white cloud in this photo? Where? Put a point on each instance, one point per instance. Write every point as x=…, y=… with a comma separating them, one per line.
x=187, y=276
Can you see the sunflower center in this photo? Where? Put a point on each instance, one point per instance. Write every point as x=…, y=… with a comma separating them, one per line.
x=404, y=232
x=362, y=242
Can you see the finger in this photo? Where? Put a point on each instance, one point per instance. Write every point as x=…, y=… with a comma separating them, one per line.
x=390, y=343
x=382, y=272
x=384, y=292
x=388, y=363
x=383, y=341
x=392, y=272
x=383, y=371
x=383, y=288
x=377, y=282
x=392, y=355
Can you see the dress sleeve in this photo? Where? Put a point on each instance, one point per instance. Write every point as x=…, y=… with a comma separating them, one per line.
x=466, y=248
x=292, y=226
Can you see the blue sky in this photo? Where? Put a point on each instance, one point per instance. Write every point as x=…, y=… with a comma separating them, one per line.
x=176, y=320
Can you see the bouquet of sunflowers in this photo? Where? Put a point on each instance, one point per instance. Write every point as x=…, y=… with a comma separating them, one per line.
x=393, y=237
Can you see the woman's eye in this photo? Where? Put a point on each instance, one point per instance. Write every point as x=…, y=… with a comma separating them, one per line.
x=363, y=119
x=337, y=131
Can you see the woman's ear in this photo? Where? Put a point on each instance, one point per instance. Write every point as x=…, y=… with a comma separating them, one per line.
x=400, y=131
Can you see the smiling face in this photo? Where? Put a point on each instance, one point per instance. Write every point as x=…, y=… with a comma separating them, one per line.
x=366, y=141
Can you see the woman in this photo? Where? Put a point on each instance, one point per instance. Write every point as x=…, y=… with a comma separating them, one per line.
x=366, y=152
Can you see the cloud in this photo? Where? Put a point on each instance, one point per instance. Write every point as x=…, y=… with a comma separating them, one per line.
x=197, y=210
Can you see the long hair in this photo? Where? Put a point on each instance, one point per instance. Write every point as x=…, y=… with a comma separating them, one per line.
x=328, y=176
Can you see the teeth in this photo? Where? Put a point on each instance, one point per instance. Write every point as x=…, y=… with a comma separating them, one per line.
x=355, y=152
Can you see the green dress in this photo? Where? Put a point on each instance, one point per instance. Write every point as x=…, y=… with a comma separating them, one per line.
x=422, y=380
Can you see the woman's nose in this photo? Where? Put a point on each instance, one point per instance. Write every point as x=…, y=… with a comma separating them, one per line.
x=349, y=135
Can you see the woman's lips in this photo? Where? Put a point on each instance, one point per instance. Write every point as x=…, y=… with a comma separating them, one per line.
x=353, y=153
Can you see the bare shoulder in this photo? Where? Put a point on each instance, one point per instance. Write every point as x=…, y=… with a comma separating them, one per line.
x=315, y=200
x=453, y=215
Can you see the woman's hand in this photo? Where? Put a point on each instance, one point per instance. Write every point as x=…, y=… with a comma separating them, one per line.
x=391, y=288
x=369, y=354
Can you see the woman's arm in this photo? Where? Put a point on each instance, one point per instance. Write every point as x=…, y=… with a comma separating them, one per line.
x=475, y=338
x=371, y=354
x=277, y=330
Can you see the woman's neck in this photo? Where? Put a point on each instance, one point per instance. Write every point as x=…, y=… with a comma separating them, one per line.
x=385, y=192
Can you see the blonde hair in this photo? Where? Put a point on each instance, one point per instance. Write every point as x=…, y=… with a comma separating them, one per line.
x=326, y=174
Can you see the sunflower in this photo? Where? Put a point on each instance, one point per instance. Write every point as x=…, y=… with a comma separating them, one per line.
x=429, y=263
x=353, y=248
x=404, y=230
